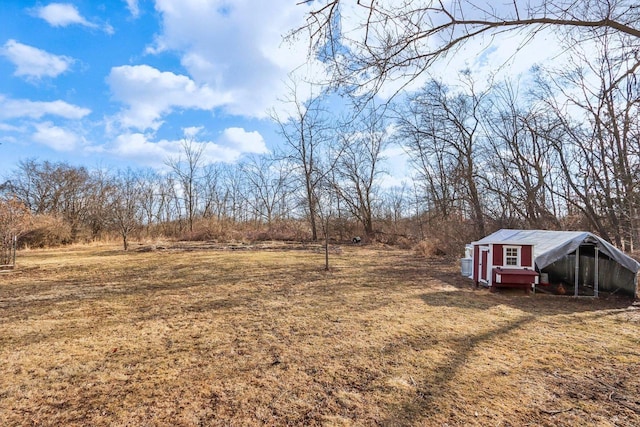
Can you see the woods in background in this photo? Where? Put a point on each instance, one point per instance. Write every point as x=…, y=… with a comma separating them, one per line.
x=499, y=157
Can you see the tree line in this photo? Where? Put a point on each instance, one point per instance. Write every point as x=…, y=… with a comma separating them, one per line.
x=481, y=158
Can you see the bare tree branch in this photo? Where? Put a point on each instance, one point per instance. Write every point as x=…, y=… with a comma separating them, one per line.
x=400, y=40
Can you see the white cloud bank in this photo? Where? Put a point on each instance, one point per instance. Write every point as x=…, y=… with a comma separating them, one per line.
x=234, y=59
x=61, y=15
x=234, y=47
x=56, y=137
x=32, y=62
x=24, y=120
x=242, y=141
x=150, y=94
x=64, y=15
x=23, y=108
x=232, y=144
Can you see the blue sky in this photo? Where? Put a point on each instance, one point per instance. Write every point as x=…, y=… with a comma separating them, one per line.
x=123, y=82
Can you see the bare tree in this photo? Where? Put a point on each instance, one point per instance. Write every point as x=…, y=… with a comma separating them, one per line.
x=374, y=41
x=305, y=132
x=187, y=172
x=210, y=190
x=169, y=209
x=150, y=199
x=327, y=196
x=57, y=189
x=15, y=220
x=98, y=205
x=358, y=166
x=269, y=180
x=235, y=190
x=440, y=128
x=124, y=204
x=33, y=184
x=521, y=159
x=395, y=207
x=596, y=103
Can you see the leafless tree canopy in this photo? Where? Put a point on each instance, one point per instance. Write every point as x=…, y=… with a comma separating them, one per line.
x=379, y=40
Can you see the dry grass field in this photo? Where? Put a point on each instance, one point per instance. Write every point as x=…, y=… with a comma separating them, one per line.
x=93, y=336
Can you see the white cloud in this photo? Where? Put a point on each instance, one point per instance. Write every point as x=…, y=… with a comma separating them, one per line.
x=58, y=138
x=192, y=131
x=61, y=15
x=138, y=147
x=243, y=141
x=108, y=28
x=4, y=127
x=232, y=144
x=235, y=47
x=149, y=94
x=32, y=62
x=48, y=133
x=65, y=14
x=17, y=108
x=133, y=7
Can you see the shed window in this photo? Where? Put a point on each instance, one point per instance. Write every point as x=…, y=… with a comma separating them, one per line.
x=512, y=256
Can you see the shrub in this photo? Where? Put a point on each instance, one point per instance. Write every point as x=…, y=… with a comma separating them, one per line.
x=47, y=231
x=15, y=219
x=429, y=248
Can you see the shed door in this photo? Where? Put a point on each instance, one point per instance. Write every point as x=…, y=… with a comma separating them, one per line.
x=483, y=267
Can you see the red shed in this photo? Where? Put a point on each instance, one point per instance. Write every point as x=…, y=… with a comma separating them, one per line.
x=502, y=263
x=574, y=258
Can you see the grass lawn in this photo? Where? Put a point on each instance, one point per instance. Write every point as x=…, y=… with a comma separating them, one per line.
x=93, y=336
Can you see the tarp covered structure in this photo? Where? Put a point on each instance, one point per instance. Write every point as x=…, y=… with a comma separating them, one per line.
x=555, y=253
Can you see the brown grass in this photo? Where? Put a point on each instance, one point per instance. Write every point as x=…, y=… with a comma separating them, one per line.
x=93, y=336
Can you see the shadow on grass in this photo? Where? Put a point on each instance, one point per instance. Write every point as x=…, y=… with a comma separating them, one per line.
x=426, y=402
x=418, y=409
x=537, y=305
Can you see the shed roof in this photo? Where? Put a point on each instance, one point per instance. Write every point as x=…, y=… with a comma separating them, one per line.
x=549, y=246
